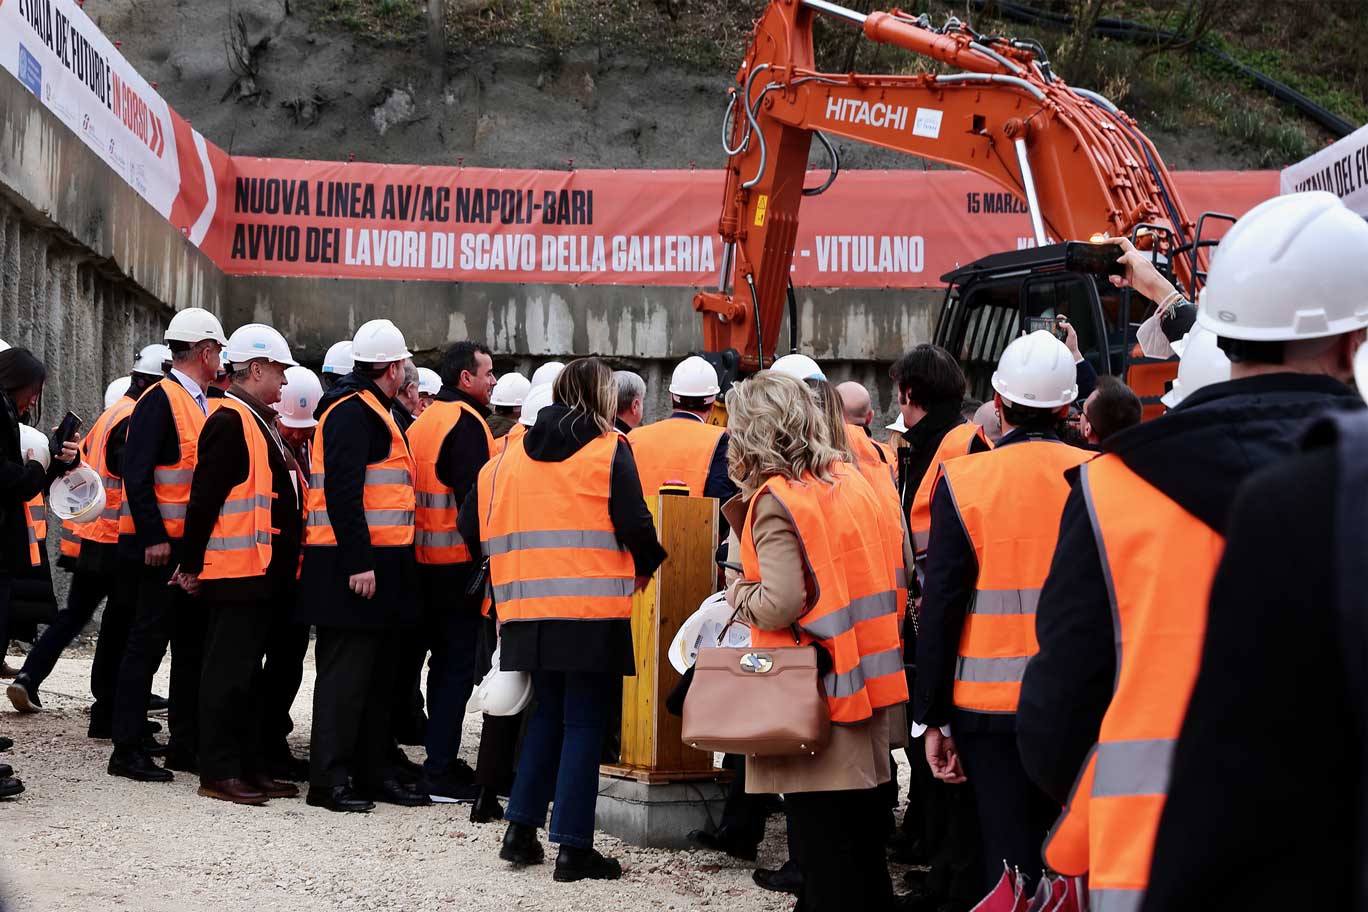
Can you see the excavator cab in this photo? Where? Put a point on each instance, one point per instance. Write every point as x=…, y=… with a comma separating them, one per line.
x=991, y=301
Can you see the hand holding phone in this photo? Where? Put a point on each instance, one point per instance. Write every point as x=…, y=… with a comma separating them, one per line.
x=1094, y=259
x=71, y=423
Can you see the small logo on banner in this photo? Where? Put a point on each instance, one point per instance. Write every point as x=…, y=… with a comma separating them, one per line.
x=30, y=71
x=928, y=123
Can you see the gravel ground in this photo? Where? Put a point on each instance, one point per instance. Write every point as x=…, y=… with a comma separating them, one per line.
x=81, y=839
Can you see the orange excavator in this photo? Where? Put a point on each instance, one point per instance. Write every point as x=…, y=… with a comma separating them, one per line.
x=1081, y=166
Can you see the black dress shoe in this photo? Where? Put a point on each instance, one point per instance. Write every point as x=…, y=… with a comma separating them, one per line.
x=521, y=846
x=721, y=840
x=156, y=704
x=152, y=747
x=391, y=791
x=6, y=771
x=338, y=798
x=6, y=743
x=786, y=879
x=10, y=787
x=405, y=770
x=24, y=695
x=135, y=765
x=584, y=864
x=288, y=768
x=181, y=762
x=487, y=808
x=448, y=789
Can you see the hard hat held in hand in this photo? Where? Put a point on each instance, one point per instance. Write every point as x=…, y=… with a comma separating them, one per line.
x=1037, y=370
x=429, y=382
x=33, y=445
x=799, y=367
x=704, y=628
x=538, y=398
x=257, y=340
x=547, y=373
x=501, y=693
x=195, y=324
x=1294, y=267
x=78, y=495
x=695, y=378
x=299, y=398
x=4, y=346
x=1202, y=364
x=510, y=390
x=152, y=360
x=339, y=359
x=379, y=342
x=116, y=389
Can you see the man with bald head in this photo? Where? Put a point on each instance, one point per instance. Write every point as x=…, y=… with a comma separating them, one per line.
x=859, y=414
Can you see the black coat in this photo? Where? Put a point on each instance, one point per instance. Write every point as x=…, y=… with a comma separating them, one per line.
x=353, y=437
x=1197, y=455
x=1267, y=778
x=564, y=645
x=20, y=482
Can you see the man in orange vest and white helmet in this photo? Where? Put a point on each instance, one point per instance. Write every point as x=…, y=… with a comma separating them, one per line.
x=994, y=520
x=159, y=458
x=239, y=556
x=1122, y=615
x=684, y=448
x=358, y=580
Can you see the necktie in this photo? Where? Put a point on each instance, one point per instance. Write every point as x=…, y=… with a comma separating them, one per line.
x=200, y=401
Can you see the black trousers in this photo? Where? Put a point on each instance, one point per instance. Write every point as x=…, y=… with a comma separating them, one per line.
x=743, y=815
x=946, y=822
x=286, y=645
x=1014, y=815
x=408, y=721
x=353, y=698
x=231, y=694
x=164, y=615
x=837, y=840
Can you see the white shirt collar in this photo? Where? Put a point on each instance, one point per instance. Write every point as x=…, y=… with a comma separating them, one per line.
x=191, y=386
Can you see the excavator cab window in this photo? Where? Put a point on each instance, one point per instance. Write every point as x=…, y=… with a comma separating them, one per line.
x=979, y=330
x=1074, y=296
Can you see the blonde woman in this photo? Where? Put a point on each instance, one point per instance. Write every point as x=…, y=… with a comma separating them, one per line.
x=559, y=514
x=816, y=572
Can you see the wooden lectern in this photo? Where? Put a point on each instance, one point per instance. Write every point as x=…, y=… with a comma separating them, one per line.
x=652, y=750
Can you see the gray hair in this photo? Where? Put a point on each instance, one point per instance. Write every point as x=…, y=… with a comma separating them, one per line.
x=630, y=388
x=410, y=374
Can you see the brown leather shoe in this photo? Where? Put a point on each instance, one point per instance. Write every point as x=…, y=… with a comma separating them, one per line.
x=237, y=791
x=271, y=788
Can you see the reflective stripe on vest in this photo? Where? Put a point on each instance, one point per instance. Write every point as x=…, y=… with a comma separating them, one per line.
x=35, y=522
x=675, y=450
x=240, y=543
x=69, y=540
x=958, y=441
x=1109, y=825
x=554, y=556
x=171, y=483
x=387, y=498
x=105, y=527
x=856, y=616
x=436, y=540
x=1009, y=502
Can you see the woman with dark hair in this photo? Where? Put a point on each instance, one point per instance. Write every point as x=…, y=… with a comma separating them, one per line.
x=562, y=570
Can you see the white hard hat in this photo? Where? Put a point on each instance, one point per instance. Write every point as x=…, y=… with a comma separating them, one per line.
x=1361, y=370
x=1202, y=364
x=1037, y=370
x=195, y=324
x=501, y=693
x=79, y=495
x=339, y=359
x=799, y=367
x=379, y=342
x=257, y=340
x=1295, y=267
x=429, y=382
x=537, y=398
x=299, y=398
x=151, y=359
x=704, y=628
x=547, y=373
x=4, y=346
x=694, y=377
x=510, y=390
x=116, y=389
x=33, y=444
x=898, y=425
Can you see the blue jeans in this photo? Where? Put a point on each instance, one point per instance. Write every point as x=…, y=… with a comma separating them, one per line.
x=452, y=634
x=560, y=755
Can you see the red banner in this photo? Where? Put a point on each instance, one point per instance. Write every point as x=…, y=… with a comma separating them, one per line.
x=872, y=229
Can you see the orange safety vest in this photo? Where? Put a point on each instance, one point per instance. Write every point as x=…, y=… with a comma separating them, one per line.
x=958, y=441
x=1108, y=827
x=514, y=433
x=387, y=497
x=104, y=528
x=675, y=450
x=35, y=519
x=436, y=540
x=855, y=614
x=69, y=539
x=554, y=556
x=240, y=543
x=1009, y=502
x=883, y=479
x=890, y=456
x=171, y=483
